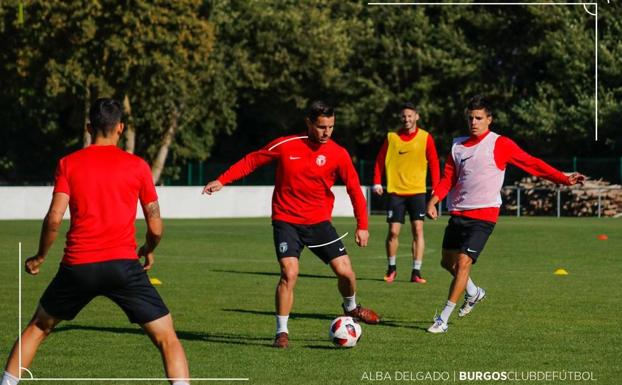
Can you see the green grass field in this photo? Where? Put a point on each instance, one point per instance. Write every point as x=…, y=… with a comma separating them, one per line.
x=219, y=278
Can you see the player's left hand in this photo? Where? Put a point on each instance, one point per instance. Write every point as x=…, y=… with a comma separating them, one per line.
x=212, y=187
x=32, y=264
x=149, y=257
x=361, y=237
x=575, y=178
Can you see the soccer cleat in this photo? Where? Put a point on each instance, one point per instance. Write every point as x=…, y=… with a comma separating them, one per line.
x=470, y=302
x=439, y=326
x=390, y=276
x=416, y=277
x=281, y=341
x=364, y=314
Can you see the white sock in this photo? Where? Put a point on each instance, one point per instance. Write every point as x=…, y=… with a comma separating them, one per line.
x=471, y=288
x=9, y=379
x=181, y=383
x=281, y=324
x=449, y=307
x=392, y=261
x=417, y=265
x=349, y=303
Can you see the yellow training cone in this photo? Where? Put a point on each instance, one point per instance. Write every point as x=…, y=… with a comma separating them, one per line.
x=560, y=272
x=155, y=281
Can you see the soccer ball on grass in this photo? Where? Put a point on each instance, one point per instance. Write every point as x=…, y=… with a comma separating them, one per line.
x=344, y=332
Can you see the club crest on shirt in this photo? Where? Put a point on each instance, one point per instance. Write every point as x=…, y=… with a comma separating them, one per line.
x=282, y=247
x=320, y=160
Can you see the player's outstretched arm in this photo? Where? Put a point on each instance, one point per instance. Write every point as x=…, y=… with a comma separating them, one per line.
x=361, y=237
x=155, y=229
x=49, y=231
x=212, y=187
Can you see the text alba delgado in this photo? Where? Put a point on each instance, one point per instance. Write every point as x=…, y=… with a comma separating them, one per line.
x=457, y=376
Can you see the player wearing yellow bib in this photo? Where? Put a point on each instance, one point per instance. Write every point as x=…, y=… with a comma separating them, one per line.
x=405, y=158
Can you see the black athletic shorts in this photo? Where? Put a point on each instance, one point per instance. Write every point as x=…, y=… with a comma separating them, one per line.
x=467, y=235
x=123, y=281
x=397, y=206
x=290, y=239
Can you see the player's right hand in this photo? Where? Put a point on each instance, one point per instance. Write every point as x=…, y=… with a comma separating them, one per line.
x=149, y=257
x=32, y=264
x=361, y=237
x=432, y=212
x=212, y=187
x=378, y=189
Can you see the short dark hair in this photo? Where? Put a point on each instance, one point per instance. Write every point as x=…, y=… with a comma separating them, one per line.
x=408, y=106
x=479, y=102
x=319, y=108
x=104, y=115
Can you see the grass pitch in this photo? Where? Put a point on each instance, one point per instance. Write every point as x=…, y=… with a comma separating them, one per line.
x=219, y=278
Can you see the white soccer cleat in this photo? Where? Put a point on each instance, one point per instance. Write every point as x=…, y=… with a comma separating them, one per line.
x=439, y=326
x=470, y=302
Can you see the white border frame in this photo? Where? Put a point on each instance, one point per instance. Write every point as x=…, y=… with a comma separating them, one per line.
x=595, y=14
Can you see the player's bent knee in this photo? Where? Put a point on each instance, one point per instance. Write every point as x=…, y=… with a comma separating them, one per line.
x=43, y=326
x=464, y=263
x=289, y=275
x=43, y=321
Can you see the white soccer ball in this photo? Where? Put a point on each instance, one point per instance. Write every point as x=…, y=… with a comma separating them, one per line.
x=344, y=332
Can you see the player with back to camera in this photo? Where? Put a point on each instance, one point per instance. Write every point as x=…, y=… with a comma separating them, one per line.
x=101, y=184
x=302, y=204
x=472, y=181
x=406, y=155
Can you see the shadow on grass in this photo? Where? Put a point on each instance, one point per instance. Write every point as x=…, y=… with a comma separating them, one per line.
x=291, y=316
x=223, y=338
x=416, y=324
x=275, y=274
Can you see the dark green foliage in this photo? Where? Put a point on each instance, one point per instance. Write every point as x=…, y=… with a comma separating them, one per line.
x=238, y=73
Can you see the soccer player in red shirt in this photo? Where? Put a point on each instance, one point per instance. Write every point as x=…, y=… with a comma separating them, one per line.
x=101, y=184
x=472, y=180
x=406, y=155
x=302, y=205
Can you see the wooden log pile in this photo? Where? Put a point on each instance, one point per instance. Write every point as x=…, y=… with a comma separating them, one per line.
x=539, y=197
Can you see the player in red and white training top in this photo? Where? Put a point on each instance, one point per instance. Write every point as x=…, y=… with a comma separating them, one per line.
x=302, y=205
x=102, y=185
x=472, y=182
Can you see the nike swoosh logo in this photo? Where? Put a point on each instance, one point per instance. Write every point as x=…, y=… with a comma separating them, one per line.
x=402, y=152
x=471, y=251
x=422, y=215
x=294, y=157
x=342, y=248
x=465, y=159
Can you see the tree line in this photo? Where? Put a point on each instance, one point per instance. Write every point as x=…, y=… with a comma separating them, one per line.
x=210, y=80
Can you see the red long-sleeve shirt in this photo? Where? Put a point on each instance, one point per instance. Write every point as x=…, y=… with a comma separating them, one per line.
x=430, y=154
x=505, y=151
x=305, y=173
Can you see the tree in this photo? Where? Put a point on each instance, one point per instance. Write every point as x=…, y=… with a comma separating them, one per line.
x=151, y=55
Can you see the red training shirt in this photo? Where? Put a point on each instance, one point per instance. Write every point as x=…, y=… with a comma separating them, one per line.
x=506, y=151
x=104, y=183
x=305, y=173
x=430, y=154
